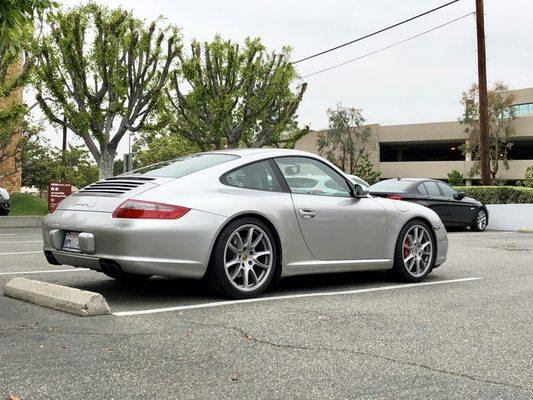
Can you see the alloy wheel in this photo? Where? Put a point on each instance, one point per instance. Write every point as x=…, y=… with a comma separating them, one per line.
x=417, y=250
x=481, y=220
x=248, y=257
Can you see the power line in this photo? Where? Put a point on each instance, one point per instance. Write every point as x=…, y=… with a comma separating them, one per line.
x=387, y=47
x=374, y=33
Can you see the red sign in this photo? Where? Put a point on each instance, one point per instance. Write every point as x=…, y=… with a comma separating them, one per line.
x=56, y=193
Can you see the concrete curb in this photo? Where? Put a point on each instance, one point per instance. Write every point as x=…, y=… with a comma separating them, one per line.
x=21, y=222
x=63, y=298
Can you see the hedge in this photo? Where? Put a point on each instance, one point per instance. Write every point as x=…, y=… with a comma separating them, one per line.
x=498, y=194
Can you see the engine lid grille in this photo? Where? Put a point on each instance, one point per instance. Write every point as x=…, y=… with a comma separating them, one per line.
x=116, y=185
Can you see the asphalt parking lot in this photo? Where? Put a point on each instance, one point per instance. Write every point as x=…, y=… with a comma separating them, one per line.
x=324, y=337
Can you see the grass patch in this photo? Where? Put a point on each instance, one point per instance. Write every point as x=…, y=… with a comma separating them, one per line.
x=27, y=204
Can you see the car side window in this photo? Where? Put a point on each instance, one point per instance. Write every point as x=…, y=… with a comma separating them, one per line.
x=309, y=176
x=447, y=190
x=258, y=176
x=422, y=189
x=432, y=188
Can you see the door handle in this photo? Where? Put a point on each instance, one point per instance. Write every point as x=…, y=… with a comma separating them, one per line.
x=306, y=213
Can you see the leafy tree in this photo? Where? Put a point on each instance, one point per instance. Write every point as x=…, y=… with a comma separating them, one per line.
x=501, y=116
x=104, y=70
x=365, y=170
x=43, y=164
x=455, y=178
x=16, y=18
x=226, y=96
x=152, y=147
x=345, y=141
x=528, y=181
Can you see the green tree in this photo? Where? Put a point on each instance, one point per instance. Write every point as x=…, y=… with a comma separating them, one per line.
x=345, y=141
x=528, y=181
x=501, y=116
x=43, y=164
x=17, y=17
x=226, y=96
x=103, y=70
x=455, y=178
x=365, y=170
x=153, y=147
x=17, y=20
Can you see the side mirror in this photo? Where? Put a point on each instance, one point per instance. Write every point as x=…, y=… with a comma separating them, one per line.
x=459, y=196
x=359, y=191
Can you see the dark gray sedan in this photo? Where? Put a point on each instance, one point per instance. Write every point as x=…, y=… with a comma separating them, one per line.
x=453, y=207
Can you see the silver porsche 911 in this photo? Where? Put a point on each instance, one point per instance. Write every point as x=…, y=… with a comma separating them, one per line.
x=241, y=219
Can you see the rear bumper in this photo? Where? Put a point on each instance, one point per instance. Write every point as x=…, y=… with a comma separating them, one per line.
x=174, y=248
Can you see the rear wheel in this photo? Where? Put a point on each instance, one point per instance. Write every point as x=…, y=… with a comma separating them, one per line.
x=480, y=221
x=244, y=259
x=414, y=256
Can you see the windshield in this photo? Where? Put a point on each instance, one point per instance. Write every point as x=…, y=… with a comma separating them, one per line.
x=391, y=185
x=184, y=165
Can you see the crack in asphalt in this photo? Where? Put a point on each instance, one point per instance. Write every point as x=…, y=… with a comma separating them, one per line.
x=248, y=337
x=244, y=334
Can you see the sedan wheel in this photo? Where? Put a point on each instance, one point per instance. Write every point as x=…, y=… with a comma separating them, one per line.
x=244, y=259
x=414, y=257
x=480, y=222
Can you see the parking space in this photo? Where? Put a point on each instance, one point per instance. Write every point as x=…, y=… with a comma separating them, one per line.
x=465, y=332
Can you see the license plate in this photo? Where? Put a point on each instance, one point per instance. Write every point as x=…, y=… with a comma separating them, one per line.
x=72, y=242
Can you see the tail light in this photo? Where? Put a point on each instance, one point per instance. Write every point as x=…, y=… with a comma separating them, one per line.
x=139, y=209
x=395, y=197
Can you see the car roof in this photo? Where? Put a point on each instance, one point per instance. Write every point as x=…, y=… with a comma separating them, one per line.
x=263, y=151
x=414, y=180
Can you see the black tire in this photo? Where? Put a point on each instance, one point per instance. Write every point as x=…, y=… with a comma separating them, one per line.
x=216, y=277
x=399, y=269
x=477, y=225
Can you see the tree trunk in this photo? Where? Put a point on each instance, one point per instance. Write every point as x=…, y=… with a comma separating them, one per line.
x=107, y=159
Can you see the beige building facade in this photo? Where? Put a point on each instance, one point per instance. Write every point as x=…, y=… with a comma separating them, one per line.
x=431, y=150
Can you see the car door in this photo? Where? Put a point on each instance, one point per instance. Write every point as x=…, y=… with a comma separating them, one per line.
x=436, y=200
x=335, y=225
x=459, y=211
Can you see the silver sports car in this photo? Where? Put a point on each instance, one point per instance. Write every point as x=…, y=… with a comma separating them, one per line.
x=241, y=219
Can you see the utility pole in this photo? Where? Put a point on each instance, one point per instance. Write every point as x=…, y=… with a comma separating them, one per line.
x=483, y=101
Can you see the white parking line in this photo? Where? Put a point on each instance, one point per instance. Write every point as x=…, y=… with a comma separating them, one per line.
x=48, y=271
x=23, y=241
x=293, y=296
x=21, y=252
x=7, y=234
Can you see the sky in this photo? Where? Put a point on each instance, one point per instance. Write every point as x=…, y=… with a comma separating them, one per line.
x=418, y=81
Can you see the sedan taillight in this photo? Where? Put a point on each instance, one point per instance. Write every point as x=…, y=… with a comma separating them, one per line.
x=395, y=197
x=139, y=209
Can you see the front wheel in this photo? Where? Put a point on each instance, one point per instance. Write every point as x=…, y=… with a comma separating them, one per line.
x=414, y=256
x=244, y=259
x=480, y=221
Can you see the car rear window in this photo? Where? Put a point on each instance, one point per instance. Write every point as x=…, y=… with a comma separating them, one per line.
x=391, y=185
x=184, y=165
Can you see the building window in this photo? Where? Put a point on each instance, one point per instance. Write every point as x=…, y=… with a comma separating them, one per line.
x=389, y=152
x=523, y=109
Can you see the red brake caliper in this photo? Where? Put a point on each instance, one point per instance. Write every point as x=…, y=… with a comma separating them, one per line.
x=406, y=244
